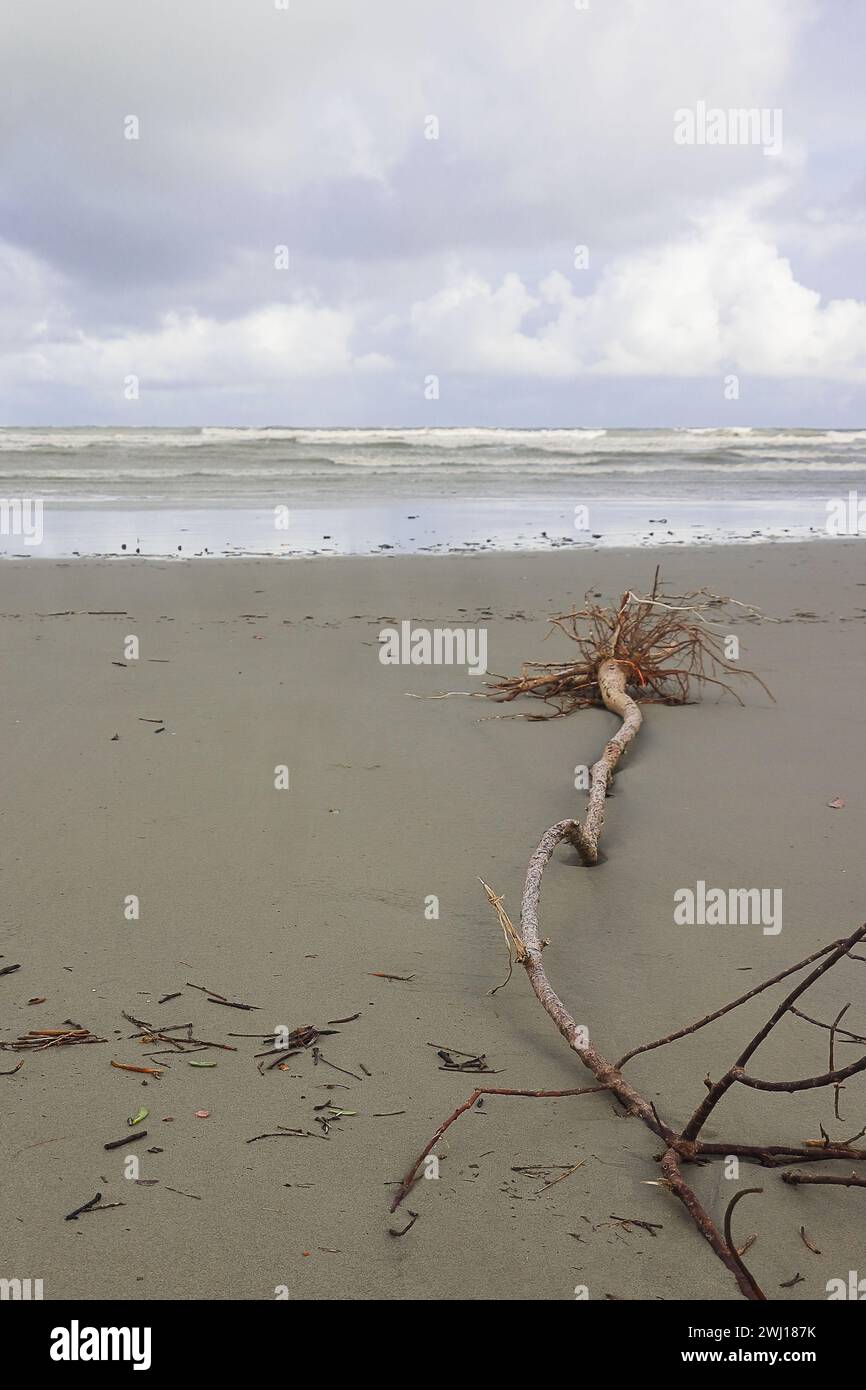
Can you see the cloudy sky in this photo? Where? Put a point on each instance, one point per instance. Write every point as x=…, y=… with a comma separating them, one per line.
x=307, y=124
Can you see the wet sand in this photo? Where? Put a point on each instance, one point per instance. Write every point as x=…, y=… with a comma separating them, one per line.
x=291, y=899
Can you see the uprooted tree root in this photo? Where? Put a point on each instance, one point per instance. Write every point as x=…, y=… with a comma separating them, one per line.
x=647, y=650
x=664, y=643
x=652, y=649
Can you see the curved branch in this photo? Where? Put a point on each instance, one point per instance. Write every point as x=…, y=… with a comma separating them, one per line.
x=707, y=1227
x=735, y=1254
x=408, y=1181
x=612, y=688
x=809, y=1083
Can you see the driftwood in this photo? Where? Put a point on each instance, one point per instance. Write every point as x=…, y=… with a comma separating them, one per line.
x=38, y=1040
x=608, y=666
x=686, y=1146
x=649, y=650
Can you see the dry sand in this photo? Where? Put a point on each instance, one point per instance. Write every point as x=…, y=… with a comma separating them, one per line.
x=289, y=899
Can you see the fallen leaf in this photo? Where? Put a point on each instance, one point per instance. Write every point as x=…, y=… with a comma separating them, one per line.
x=837, y=805
x=141, y=1115
x=202, y=1114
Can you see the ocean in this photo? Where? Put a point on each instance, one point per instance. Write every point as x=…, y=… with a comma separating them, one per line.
x=279, y=490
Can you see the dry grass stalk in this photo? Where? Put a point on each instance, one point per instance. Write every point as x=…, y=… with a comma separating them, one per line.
x=513, y=940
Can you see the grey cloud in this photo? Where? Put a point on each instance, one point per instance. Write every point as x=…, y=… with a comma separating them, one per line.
x=259, y=127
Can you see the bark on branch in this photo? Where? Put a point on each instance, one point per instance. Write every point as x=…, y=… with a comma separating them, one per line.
x=611, y=685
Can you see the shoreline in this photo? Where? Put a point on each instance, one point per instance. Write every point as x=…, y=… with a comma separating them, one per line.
x=407, y=526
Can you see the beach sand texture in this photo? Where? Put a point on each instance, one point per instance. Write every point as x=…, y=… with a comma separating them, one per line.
x=291, y=900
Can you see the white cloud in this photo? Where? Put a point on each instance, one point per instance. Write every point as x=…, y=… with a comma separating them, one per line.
x=720, y=298
x=278, y=342
x=473, y=327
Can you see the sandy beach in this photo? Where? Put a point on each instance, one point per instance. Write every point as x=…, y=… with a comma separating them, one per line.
x=300, y=901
